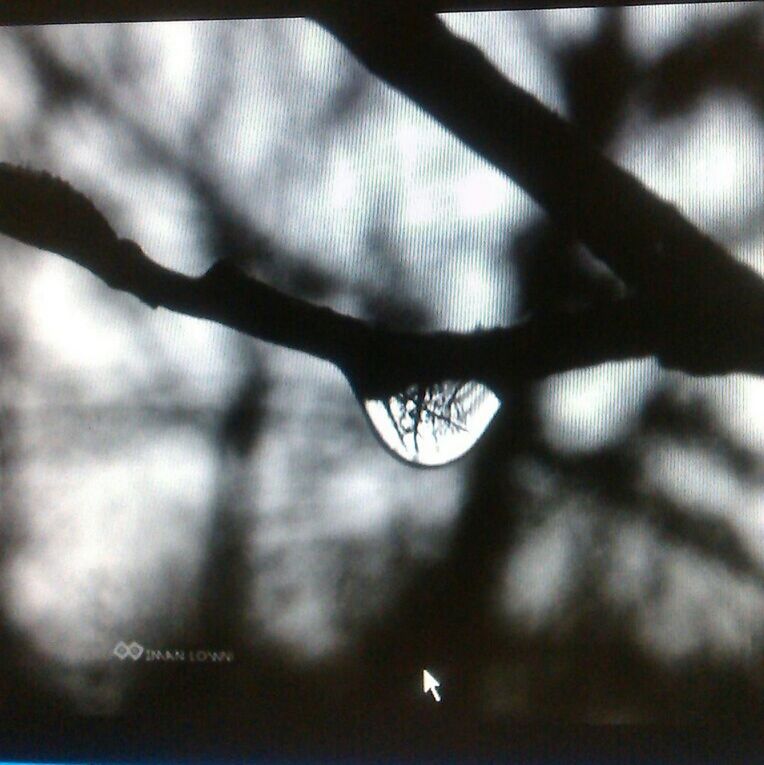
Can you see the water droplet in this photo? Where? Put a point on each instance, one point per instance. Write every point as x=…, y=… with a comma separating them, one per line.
x=435, y=424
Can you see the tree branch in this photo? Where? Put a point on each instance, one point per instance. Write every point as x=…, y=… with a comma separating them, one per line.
x=46, y=212
x=695, y=307
x=711, y=306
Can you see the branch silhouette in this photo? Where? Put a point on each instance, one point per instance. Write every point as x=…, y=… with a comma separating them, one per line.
x=692, y=305
x=46, y=212
x=708, y=306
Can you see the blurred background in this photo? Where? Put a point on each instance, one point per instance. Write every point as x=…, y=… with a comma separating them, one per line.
x=598, y=556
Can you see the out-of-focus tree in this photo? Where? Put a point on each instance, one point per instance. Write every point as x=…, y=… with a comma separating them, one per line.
x=597, y=556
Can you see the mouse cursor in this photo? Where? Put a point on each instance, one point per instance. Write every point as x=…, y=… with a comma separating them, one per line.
x=430, y=685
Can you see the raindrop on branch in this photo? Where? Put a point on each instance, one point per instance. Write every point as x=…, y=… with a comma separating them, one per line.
x=433, y=425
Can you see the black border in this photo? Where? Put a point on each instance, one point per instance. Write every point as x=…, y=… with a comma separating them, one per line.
x=79, y=11
x=80, y=740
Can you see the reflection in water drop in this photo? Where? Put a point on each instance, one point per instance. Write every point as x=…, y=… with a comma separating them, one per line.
x=435, y=424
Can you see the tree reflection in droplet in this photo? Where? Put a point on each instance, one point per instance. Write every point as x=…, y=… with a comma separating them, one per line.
x=435, y=424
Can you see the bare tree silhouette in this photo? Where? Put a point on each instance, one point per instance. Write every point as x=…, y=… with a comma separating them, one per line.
x=612, y=272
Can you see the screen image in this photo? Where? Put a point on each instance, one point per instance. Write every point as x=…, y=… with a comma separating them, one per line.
x=380, y=378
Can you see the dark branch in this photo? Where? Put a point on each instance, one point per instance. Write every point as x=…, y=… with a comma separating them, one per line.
x=46, y=212
x=711, y=306
x=696, y=308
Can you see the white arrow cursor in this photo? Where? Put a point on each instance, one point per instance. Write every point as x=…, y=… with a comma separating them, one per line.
x=430, y=684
